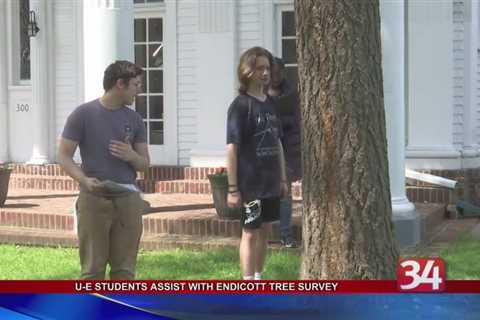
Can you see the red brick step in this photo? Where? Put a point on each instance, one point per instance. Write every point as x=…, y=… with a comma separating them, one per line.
x=155, y=173
x=39, y=237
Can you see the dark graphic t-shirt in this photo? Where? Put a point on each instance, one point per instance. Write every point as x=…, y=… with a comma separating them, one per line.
x=254, y=127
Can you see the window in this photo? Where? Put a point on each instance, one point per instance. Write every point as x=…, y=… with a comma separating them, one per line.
x=148, y=42
x=288, y=41
x=24, y=40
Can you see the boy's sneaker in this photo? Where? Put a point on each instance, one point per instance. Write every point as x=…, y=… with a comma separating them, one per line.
x=289, y=242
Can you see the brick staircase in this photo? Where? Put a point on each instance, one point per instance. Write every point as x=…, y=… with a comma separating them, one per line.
x=39, y=209
x=163, y=227
x=182, y=214
x=162, y=179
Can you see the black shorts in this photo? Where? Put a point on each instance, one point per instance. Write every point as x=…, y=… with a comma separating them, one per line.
x=256, y=212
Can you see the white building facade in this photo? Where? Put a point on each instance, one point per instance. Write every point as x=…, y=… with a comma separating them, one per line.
x=189, y=50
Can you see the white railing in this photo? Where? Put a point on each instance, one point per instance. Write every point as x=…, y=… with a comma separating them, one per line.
x=430, y=178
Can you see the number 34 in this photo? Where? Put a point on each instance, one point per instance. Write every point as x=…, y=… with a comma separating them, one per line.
x=421, y=275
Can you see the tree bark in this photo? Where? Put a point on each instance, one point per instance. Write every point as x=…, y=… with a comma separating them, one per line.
x=347, y=226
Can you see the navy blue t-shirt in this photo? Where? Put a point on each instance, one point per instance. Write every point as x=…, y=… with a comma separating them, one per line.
x=254, y=127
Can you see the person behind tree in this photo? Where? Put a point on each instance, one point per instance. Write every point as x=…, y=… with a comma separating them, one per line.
x=288, y=107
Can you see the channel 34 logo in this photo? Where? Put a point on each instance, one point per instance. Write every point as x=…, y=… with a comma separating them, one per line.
x=421, y=275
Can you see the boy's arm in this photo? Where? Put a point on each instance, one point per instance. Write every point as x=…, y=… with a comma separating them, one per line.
x=234, y=197
x=66, y=150
x=142, y=160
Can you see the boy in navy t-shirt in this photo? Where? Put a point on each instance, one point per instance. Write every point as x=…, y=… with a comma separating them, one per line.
x=255, y=160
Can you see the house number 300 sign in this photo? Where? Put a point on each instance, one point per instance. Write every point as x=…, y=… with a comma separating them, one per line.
x=21, y=107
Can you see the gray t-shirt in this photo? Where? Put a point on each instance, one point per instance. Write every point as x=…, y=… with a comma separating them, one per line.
x=93, y=126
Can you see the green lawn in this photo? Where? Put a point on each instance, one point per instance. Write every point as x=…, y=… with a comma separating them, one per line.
x=19, y=262
x=462, y=259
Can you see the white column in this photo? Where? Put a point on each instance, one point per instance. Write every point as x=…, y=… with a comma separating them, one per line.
x=3, y=85
x=406, y=221
x=430, y=86
x=107, y=36
x=40, y=80
x=217, y=62
x=470, y=151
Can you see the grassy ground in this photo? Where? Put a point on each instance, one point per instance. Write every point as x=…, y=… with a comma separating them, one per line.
x=462, y=259
x=18, y=262
x=218, y=264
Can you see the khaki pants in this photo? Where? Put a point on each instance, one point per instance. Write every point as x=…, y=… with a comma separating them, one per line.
x=109, y=231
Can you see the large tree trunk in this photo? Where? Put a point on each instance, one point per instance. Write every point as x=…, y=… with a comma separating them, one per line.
x=347, y=226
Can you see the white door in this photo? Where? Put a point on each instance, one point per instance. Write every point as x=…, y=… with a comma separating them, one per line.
x=154, y=104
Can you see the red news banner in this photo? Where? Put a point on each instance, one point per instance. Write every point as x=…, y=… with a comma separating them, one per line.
x=413, y=275
x=222, y=287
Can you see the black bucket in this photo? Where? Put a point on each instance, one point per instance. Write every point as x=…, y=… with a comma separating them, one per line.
x=4, y=180
x=219, y=186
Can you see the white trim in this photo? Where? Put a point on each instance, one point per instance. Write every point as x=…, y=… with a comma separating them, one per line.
x=283, y=2
x=433, y=163
x=79, y=52
x=268, y=25
x=166, y=154
x=279, y=38
x=51, y=60
x=9, y=39
x=19, y=88
x=41, y=76
x=281, y=7
x=13, y=43
x=432, y=152
x=151, y=6
x=272, y=24
x=278, y=30
x=406, y=72
x=171, y=85
x=4, y=116
x=470, y=145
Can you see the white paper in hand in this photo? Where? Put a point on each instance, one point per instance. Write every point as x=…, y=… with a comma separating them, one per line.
x=115, y=187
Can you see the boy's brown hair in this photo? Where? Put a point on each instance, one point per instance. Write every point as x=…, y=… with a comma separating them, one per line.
x=120, y=69
x=246, y=66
